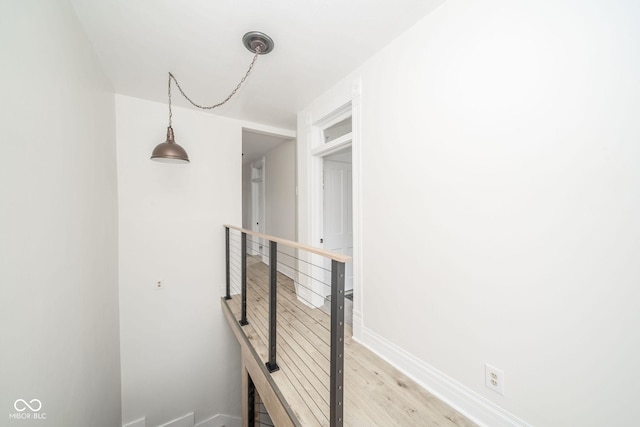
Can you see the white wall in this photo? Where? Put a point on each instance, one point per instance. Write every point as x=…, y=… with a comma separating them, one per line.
x=178, y=353
x=246, y=196
x=280, y=191
x=500, y=202
x=280, y=199
x=58, y=222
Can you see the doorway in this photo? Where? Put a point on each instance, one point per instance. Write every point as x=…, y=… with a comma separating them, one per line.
x=333, y=211
x=337, y=212
x=327, y=128
x=268, y=191
x=257, y=204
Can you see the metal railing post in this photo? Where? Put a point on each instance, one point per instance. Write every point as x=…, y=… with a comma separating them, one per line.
x=272, y=366
x=336, y=389
x=228, y=263
x=243, y=320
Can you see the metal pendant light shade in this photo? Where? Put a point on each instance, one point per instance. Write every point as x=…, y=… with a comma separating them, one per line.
x=169, y=151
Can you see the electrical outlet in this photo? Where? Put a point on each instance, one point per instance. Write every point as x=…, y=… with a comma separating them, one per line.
x=159, y=285
x=494, y=378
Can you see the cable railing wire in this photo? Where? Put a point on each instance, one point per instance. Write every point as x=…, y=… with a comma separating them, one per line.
x=310, y=289
x=311, y=303
x=236, y=276
x=313, y=278
x=290, y=256
x=314, y=265
x=303, y=286
x=294, y=326
x=280, y=263
x=236, y=281
x=264, y=274
x=261, y=414
x=303, y=328
x=318, y=368
x=286, y=254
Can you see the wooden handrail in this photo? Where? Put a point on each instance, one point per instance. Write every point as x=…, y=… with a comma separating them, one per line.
x=328, y=254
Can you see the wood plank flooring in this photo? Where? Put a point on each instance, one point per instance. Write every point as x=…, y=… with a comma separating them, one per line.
x=376, y=394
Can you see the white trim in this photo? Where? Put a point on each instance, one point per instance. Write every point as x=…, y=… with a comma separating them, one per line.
x=183, y=421
x=335, y=116
x=456, y=395
x=334, y=146
x=268, y=130
x=221, y=420
x=142, y=422
x=314, y=123
x=356, y=173
x=357, y=324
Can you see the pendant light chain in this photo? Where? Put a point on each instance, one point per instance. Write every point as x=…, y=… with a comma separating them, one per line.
x=170, y=114
x=169, y=151
x=205, y=107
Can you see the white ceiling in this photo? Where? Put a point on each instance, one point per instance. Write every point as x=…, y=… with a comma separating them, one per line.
x=317, y=42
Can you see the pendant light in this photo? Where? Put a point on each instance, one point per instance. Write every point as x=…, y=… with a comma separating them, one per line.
x=169, y=151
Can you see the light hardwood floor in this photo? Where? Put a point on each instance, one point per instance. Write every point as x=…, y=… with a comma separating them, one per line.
x=376, y=394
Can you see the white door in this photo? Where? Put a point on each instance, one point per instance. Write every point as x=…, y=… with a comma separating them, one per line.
x=338, y=212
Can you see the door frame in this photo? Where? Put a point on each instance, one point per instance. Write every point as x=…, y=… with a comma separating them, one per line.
x=258, y=206
x=314, y=158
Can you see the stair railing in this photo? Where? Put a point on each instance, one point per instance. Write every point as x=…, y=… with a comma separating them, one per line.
x=336, y=370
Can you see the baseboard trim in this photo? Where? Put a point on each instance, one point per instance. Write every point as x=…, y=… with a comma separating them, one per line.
x=357, y=325
x=221, y=420
x=456, y=395
x=187, y=420
x=142, y=422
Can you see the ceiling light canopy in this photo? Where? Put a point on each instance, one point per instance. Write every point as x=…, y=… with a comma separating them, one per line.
x=169, y=151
